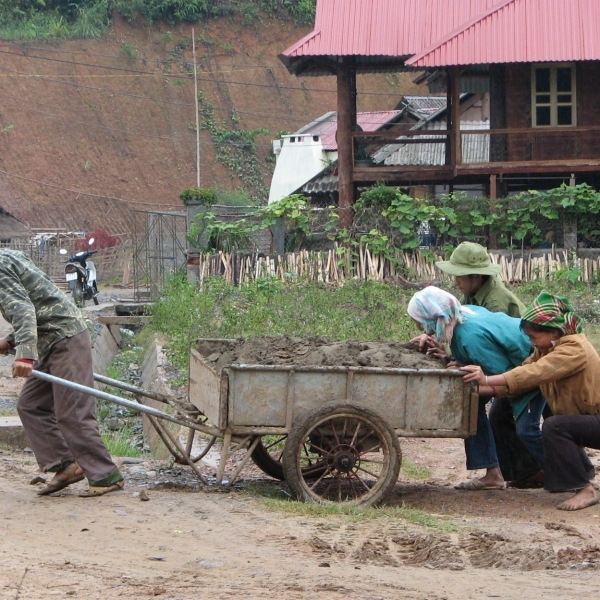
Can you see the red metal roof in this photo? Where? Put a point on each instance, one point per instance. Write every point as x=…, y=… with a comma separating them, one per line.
x=326, y=126
x=396, y=28
x=520, y=31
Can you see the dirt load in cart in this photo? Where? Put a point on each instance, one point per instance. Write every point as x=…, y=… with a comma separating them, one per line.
x=326, y=416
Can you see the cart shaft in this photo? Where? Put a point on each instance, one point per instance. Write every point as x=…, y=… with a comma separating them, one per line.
x=117, y=400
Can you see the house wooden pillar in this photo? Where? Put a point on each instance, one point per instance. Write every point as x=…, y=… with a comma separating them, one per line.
x=493, y=195
x=346, y=125
x=498, y=142
x=454, y=142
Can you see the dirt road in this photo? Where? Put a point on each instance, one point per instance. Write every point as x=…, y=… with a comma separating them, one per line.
x=184, y=545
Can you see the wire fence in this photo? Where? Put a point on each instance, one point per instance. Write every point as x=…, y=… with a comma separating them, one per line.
x=112, y=264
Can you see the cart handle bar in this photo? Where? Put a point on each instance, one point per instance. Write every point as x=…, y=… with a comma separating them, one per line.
x=117, y=400
x=129, y=388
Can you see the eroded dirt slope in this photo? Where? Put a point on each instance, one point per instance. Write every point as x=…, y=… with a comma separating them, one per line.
x=115, y=117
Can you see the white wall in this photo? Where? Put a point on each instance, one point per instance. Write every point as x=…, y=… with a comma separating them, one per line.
x=299, y=159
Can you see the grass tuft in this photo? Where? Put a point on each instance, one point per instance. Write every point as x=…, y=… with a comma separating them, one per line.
x=119, y=443
x=273, y=497
x=411, y=470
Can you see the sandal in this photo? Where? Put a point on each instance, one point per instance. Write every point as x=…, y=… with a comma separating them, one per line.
x=475, y=485
x=94, y=491
x=55, y=485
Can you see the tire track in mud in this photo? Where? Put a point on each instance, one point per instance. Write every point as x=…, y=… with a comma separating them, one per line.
x=459, y=551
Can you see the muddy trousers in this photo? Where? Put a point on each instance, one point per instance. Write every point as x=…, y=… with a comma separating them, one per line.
x=518, y=443
x=60, y=423
x=481, y=447
x=567, y=466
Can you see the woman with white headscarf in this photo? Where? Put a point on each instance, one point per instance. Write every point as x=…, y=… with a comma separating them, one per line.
x=475, y=336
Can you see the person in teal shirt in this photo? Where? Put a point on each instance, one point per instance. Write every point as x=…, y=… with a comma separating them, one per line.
x=517, y=434
x=475, y=336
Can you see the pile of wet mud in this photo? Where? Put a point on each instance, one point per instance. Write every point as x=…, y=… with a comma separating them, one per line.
x=314, y=351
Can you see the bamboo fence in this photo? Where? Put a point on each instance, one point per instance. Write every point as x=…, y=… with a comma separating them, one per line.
x=341, y=264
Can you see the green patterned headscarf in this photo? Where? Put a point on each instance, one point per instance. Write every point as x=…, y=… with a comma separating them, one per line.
x=553, y=311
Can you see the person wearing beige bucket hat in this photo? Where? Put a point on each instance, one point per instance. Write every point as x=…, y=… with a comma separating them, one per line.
x=477, y=278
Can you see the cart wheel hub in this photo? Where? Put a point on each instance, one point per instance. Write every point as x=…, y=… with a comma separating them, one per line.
x=344, y=461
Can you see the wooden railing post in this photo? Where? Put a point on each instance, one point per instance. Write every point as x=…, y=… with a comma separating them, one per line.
x=570, y=224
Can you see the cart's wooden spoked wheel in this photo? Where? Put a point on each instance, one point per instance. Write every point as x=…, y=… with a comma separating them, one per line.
x=359, y=456
x=268, y=457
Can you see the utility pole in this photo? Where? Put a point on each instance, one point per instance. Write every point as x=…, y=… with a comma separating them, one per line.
x=193, y=255
x=197, y=113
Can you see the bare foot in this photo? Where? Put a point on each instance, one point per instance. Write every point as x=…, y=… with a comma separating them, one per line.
x=493, y=477
x=582, y=499
x=492, y=480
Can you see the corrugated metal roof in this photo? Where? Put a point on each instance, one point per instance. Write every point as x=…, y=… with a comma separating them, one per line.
x=326, y=126
x=397, y=28
x=520, y=31
x=429, y=121
x=322, y=184
x=422, y=107
x=475, y=148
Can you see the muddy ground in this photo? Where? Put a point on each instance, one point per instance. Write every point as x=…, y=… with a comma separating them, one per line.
x=188, y=544
x=183, y=543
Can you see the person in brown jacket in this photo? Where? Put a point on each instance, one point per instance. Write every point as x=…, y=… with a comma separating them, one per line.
x=566, y=367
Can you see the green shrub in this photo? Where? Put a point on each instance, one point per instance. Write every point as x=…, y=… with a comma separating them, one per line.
x=173, y=11
x=64, y=19
x=205, y=196
x=358, y=311
x=220, y=236
x=48, y=19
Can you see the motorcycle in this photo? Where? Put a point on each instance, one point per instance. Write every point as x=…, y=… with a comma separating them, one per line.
x=80, y=274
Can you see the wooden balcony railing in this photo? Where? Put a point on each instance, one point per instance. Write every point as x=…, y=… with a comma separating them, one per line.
x=402, y=154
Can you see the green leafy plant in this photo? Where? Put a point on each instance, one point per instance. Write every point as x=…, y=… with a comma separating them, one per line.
x=128, y=51
x=204, y=196
x=64, y=19
x=236, y=149
x=53, y=19
x=293, y=210
x=221, y=236
x=519, y=220
x=392, y=217
x=361, y=153
x=380, y=196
